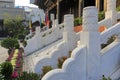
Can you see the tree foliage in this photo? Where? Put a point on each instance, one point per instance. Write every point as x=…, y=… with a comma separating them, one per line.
x=10, y=43
x=14, y=26
x=78, y=21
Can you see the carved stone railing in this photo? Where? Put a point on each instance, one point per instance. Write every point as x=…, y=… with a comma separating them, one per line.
x=114, y=30
x=105, y=22
x=42, y=39
x=75, y=64
x=69, y=42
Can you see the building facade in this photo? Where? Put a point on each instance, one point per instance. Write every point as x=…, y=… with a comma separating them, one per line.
x=62, y=7
x=7, y=9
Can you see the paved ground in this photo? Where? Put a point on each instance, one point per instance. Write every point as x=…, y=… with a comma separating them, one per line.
x=3, y=54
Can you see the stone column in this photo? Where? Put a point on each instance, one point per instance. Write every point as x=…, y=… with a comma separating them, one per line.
x=98, y=4
x=68, y=27
x=52, y=17
x=91, y=38
x=57, y=9
x=55, y=23
x=111, y=5
x=79, y=8
x=111, y=11
x=69, y=34
x=105, y=5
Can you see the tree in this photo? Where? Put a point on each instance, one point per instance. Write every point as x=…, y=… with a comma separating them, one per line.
x=7, y=69
x=9, y=43
x=14, y=26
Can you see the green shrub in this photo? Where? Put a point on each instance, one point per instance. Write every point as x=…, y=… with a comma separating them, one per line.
x=118, y=8
x=101, y=15
x=61, y=61
x=7, y=70
x=110, y=40
x=78, y=21
x=45, y=69
x=1, y=75
x=9, y=43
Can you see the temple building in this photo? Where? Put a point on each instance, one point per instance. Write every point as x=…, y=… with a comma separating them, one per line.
x=62, y=7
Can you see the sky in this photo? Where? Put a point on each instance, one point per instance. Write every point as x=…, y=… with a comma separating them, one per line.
x=23, y=3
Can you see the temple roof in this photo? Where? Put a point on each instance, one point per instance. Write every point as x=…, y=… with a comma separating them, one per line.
x=45, y=4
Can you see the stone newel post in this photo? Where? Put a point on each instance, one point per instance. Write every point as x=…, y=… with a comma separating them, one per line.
x=111, y=11
x=69, y=34
x=91, y=38
x=68, y=27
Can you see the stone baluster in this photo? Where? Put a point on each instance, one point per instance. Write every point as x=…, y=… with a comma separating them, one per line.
x=91, y=38
x=68, y=27
x=111, y=11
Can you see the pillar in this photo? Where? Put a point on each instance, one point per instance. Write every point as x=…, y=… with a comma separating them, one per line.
x=57, y=9
x=111, y=11
x=111, y=5
x=55, y=23
x=98, y=4
x=91, y=38
x=69, y=34
x=68, y=27
x=79, y=8
x=52, y=17
x=105, y=5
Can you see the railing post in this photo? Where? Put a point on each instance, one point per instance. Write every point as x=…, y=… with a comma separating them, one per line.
x=111, y=11
x=69, y=34
x=68, y=27
x=118, y=38
x=91, y=38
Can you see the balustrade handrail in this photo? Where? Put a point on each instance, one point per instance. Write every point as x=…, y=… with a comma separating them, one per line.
x=54, y=28
x=114, y=30
x=105, y=22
